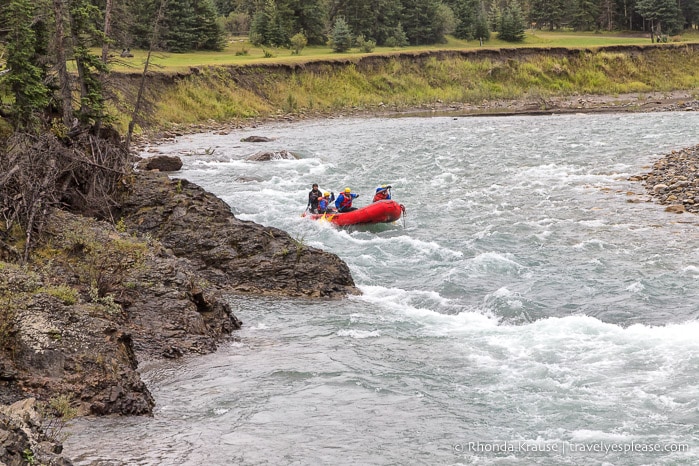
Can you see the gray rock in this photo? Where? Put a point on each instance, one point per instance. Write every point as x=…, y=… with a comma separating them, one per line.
x=163, y=163
x=256, y=139
x=265, y=156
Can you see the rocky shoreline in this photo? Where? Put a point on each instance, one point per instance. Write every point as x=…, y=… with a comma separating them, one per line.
x=99, y=298
x=674, y=181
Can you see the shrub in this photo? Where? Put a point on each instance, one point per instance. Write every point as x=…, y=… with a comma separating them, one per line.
x=364, y=45
x=298, y=42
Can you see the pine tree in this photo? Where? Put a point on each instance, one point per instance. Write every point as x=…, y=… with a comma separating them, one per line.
x=664, y=16
x=465, y=11
x=481, y=30
x=512, y=24
x=270, y=26
x=178, y=26
x=25, y=78
x=341, y=36
x=494, y=16
x=420, y=22
x=310, y=17
x=547, y=13
x=84, y=18
x=586, y=15
x=208, y=31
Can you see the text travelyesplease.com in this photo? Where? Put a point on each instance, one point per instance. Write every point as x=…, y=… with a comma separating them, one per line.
x=567, y=447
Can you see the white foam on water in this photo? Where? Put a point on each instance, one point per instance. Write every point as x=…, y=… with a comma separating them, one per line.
x=359, y=334
x=492, y=260
x=635, y=287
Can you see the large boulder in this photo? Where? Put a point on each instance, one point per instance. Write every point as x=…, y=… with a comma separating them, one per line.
x=163, y=163
x=235, y=254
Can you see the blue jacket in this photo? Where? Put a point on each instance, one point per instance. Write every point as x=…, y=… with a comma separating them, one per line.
x=324, y=203
x=344, y=202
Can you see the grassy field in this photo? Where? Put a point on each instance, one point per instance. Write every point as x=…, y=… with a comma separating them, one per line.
x=239, y=51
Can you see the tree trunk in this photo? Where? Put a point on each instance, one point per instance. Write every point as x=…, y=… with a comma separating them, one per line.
x=139, y=98
x=62, y=70
x=80, y=67
x=107, y=29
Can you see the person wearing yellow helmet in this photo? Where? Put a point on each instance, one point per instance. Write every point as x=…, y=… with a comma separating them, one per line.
x=382, y=192
x=343, y=203
x=324, y=202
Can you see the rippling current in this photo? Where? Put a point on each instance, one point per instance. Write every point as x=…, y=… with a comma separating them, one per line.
x=531, y=308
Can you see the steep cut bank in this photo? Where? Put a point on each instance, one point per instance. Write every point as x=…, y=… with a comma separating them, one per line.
x=474, y=81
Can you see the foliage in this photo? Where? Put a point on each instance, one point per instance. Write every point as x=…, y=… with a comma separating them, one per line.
x=187, y=25
x=298, y=42
x=270, y=26
x=26, y=78
x=341, y=36
x=421, y=21
x=55, y=415
x=512, y=23
x=68, y=295
x=84, y=32
x=366, y=46
x=101, y=265
x=664, y=15
x=237, y=24
x=376, y=19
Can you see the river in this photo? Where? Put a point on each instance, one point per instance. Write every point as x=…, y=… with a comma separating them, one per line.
x=531, y=308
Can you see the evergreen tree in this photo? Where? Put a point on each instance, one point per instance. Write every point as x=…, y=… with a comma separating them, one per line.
x=690, y=13
x=420, y=22
x=376, y=19
x=481, y=30
x=25, y=77
x=547, y=13
x=494, y=15
x=664, y=16
x=142, y=14
x=208, y=31
x=586, y=15
x=512, y=24
x=309, y=16
x=466, y=12
x=607, y=16
x=270, y=26
x=84, y=18
x=341, y=36
x=179, y=29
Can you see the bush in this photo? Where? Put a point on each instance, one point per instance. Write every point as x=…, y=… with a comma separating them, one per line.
x=298, y=42
x=364, y=45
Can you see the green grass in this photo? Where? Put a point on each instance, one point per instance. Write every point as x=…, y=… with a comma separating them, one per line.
x=177, y=62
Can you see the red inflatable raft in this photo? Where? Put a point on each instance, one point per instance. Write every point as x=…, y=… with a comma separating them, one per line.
x=378, y=212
